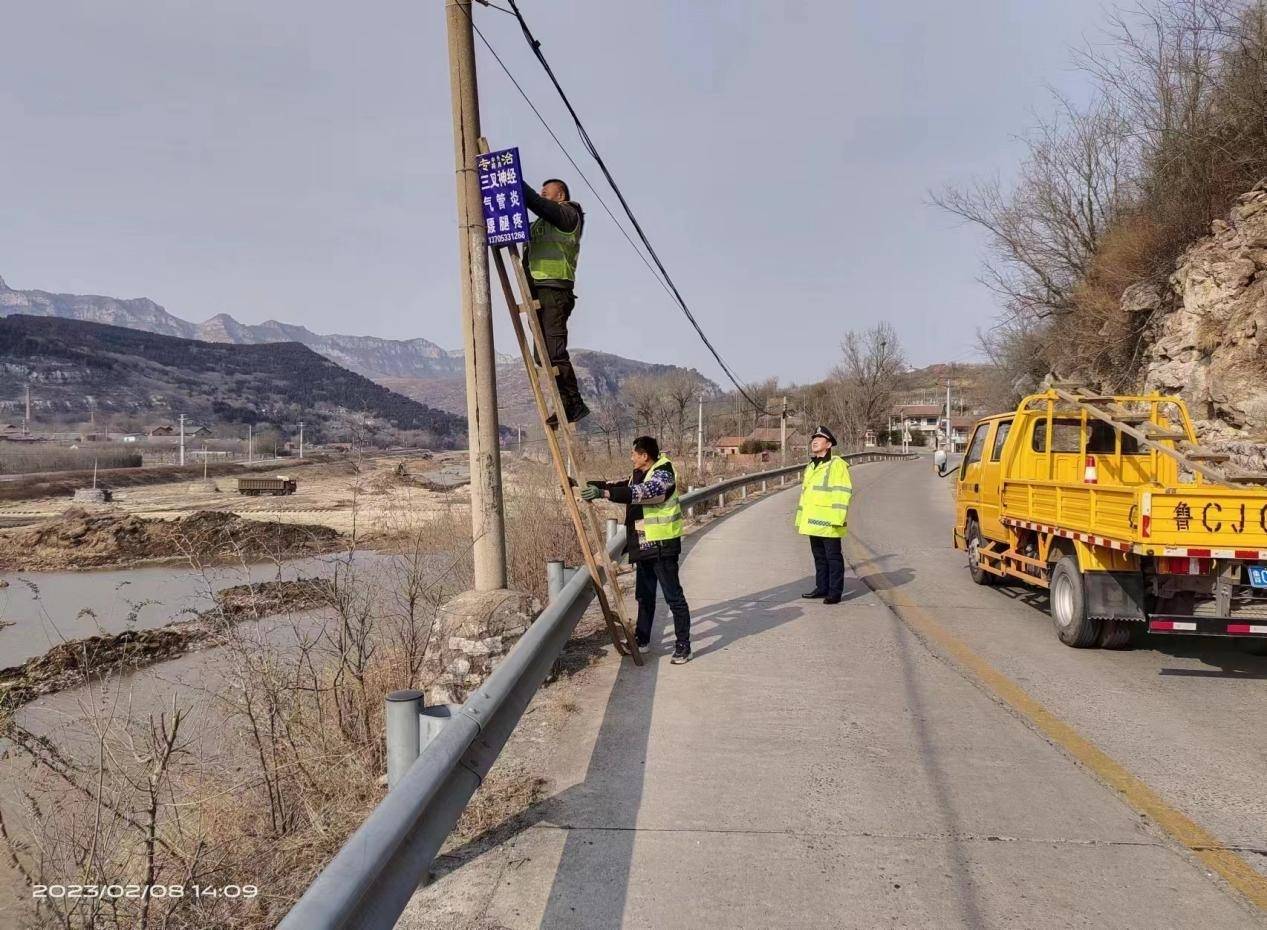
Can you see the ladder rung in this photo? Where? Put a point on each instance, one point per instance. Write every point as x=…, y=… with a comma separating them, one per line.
x=1093, y=398
x=1130, y=417
x=1067, y=385
x=1205, y=455
x=1248, y=477
x=1154, y=431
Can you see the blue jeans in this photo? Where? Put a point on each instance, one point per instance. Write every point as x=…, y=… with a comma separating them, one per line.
x=662, y=570
x=829, y=565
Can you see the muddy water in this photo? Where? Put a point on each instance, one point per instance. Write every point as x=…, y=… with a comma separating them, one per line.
x=40, y=609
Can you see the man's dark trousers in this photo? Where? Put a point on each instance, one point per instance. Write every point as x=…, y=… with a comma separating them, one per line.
x=556, y=307
x=663, y=569
x=829, y=565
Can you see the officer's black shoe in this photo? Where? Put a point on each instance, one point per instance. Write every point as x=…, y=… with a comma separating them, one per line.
x=579, y=412
x=813, y=595
x=834, y=599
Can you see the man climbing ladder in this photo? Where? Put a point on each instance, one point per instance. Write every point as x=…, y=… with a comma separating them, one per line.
x=550, y=260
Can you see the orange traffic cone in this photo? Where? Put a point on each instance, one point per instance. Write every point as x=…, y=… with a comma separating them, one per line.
x=1089, y=475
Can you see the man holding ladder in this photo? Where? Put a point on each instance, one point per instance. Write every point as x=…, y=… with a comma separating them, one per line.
x=653, y=527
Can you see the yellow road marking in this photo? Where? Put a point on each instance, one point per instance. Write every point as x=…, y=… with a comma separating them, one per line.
x=1207, y=848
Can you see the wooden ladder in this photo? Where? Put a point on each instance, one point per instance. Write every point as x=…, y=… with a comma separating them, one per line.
x=1150, y=434
x=562, y=442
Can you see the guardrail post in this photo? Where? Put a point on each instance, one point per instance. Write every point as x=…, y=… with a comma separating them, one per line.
x=690, y=511
x=721, y=499
x=554, y=579
x=403, y=708
x=432, y=720
x=743, y=492
x=613, y=527
x=764, y=486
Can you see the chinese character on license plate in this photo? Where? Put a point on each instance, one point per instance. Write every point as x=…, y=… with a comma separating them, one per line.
x=1257, y=576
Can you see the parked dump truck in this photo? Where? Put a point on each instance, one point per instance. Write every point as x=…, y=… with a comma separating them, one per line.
x=278, y=485
x=1110, y=503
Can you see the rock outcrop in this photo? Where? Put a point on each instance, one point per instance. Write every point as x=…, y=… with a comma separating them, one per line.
x=1208, y=339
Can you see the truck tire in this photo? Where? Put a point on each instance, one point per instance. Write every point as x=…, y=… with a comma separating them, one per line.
x=1069, y=606
x=1115, y=634
x=974, y=540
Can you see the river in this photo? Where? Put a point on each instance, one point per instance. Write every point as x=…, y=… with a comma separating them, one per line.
x=38, y=610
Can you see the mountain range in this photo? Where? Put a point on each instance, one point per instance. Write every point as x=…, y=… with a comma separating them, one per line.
x=416, y=367
x=132, y=380
x=366, y=355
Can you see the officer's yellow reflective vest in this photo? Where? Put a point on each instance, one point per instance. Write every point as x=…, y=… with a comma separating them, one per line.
x=663, y=521
x=553, y=253
x=826, y=490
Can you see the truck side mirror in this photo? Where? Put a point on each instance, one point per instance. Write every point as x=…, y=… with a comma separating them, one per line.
x=939, y=459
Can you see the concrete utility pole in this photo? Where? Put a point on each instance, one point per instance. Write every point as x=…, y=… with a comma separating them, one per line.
x=250, y=443
x=182, y=439
x=301, y=438
x=26, y=424
x=487, y=517
x=699, y=438
x=950, y=445
x=783, y=430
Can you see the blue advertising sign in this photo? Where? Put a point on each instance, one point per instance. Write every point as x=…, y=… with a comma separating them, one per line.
x=505, y=217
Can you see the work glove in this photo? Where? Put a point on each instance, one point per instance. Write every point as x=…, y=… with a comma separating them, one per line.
x=591, y=493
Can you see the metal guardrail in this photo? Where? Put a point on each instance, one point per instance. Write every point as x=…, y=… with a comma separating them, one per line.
x=371, y=879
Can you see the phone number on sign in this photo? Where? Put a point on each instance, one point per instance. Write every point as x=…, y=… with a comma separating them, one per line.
x=144, y=891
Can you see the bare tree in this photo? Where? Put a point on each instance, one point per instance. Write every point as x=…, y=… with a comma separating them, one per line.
x=611, y=419
x=647, y=403
x=866, y=377
x=679, y=390
x=1045, y=230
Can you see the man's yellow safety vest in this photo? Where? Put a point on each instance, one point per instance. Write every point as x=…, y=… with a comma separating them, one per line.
x=553, y=253
x=826, y=490
x=660, y=522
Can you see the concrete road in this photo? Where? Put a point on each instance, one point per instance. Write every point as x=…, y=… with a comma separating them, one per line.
x=925, y=754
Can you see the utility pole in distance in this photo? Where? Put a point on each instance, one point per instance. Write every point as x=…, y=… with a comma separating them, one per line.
x=487, y=516
x=699, y=438
x=783, y=430
x=301, y=438
x=182, y=439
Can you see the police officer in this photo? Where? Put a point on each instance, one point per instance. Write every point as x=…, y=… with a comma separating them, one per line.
x=554, y=247
x=653, y=528
x=822, y=515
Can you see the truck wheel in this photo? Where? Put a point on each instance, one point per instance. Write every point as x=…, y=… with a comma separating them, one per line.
x=1115, y=634
x=972, y=535
x=1069, y=606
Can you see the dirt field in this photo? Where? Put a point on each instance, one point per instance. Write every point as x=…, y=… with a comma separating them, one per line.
x=370, y=495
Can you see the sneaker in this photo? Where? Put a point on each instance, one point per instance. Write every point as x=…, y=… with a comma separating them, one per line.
x=580, y=412
x=552, y=421
x=681, y=655
x=642, y=643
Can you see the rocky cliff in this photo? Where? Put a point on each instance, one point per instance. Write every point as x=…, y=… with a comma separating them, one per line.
x=1208, y=333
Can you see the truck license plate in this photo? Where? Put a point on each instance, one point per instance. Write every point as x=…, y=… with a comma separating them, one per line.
x=1257, y=576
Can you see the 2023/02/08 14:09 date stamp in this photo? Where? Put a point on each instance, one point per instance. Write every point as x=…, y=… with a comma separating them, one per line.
x=116, y=891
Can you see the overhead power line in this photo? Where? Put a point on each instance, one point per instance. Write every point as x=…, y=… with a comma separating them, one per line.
x=667, y=281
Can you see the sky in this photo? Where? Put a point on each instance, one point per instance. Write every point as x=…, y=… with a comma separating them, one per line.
x=293, y=160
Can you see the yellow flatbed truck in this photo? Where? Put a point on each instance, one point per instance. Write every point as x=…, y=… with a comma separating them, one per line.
x=1110, y=503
